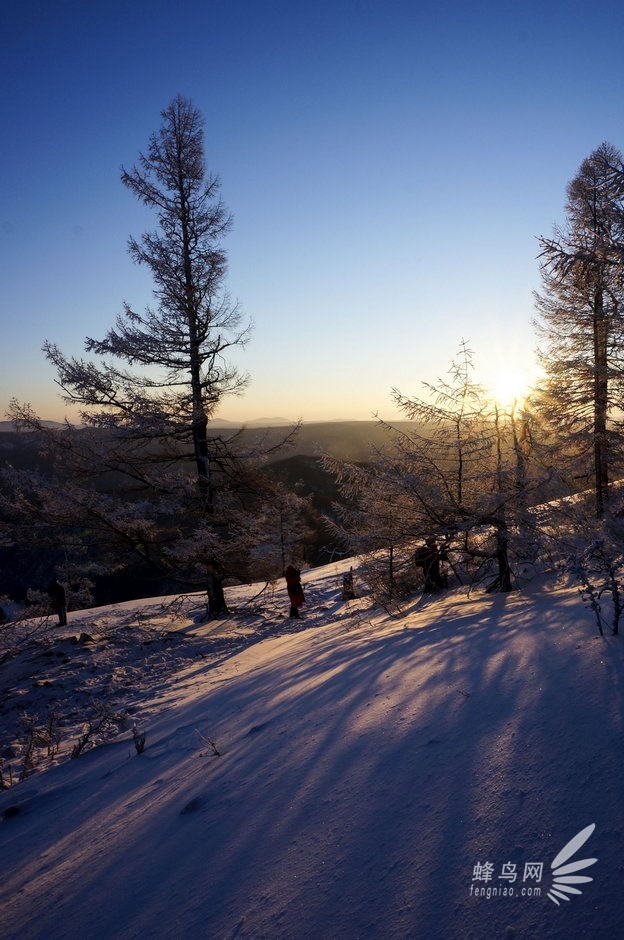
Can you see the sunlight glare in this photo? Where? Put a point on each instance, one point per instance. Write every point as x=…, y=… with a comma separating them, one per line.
x=510, y=387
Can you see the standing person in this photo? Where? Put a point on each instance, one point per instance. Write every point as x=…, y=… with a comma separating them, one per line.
x=58, y=599
x=295, y=591
x=348, y=589
x=216, y=597
x=428, y=558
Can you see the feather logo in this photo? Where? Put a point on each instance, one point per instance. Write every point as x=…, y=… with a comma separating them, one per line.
x=564, y=875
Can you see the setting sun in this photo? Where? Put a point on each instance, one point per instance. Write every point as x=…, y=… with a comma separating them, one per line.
x=510, y=386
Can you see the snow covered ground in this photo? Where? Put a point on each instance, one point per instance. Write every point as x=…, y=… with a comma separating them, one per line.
x=350, y=776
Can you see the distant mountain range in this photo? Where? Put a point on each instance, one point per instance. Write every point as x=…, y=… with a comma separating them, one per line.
x=349, y=440
x=254, y=423
x=7, y=427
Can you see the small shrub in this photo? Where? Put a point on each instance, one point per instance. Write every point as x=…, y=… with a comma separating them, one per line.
x=139, y=739
x=209, y=743
x=40, y=740
x=599, y=569
x=6, y=777
x=103, y=723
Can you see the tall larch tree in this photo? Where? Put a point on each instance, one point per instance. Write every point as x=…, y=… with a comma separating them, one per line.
x=180, y=346
x=150, y=387
x=579, y=318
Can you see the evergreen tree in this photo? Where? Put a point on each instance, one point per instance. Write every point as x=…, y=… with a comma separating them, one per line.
x=461, y=476
x=145, y=471
x=180, y=346
x=281, y=533
x=374, y=521
x=579, y=318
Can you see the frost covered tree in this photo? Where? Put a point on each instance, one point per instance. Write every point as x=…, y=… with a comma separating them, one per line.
x=453, y=459
x=370, y=521
x=579, y=319
x=149, y=388
x=281, y=532
x=180, y=346
x=460, y=475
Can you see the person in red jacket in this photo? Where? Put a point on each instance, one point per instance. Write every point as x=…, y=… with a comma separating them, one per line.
x=295, y=591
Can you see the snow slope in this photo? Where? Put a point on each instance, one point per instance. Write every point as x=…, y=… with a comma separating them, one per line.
x=366, y=767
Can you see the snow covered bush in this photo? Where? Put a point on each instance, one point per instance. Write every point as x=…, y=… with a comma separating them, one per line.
x=37, y=745
x=102, y=723
x=30, y=624
x=600, y=572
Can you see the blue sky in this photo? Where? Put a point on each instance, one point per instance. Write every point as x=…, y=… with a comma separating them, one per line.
x=389, y=166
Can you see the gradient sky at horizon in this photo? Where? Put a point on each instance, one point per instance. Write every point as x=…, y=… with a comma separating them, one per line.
x=389, y=166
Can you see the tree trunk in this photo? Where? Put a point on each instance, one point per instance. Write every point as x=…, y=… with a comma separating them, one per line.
x=200, y=419
x=504, y=569
x=391, y=572
x=601, y=399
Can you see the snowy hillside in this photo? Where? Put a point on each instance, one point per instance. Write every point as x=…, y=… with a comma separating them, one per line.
x=349, y=776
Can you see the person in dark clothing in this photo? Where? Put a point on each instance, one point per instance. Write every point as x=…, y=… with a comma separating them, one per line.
x=348, y=588
x=216, y=598
x=428, y=558
x=58, y=600
x=295, y=591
